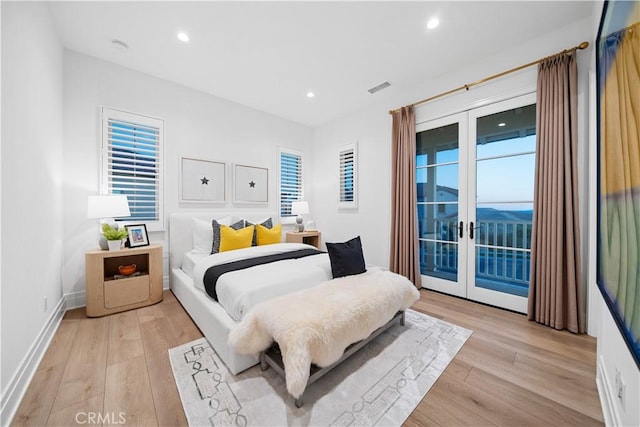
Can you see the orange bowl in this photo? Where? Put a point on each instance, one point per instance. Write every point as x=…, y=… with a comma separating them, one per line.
x=127, y=270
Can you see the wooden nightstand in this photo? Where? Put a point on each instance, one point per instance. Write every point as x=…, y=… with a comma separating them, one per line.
x=309, y=237
x=107, y=294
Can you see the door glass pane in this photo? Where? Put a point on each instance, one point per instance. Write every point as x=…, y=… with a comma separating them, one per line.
x=506, y=178
x=505, y=175
x=437, y=183
x=506, y=132
x=438, y=259
x=503, y=270
x=438, y=221
x=437, y=189
x=502, y=148
x=439, y=145
x=506, y=224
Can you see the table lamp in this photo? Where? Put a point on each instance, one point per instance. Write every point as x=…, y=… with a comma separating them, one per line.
x=299, y=208
x=107, y=207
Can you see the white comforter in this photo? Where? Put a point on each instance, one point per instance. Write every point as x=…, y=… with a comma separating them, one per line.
x=238, y=291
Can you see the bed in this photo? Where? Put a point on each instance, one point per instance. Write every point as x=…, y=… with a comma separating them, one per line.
x=282, y=293
x=212, y=319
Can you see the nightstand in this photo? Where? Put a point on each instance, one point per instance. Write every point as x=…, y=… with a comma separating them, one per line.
x=309, y=237
x=108, y=292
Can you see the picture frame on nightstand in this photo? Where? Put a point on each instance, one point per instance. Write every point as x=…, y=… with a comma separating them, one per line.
x=138, y=235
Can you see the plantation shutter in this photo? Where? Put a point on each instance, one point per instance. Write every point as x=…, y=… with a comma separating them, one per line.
x=347, y=157
x=132, y=154
x=290, y=181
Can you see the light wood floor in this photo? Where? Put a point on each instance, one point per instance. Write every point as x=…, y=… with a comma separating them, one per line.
x=511, y=372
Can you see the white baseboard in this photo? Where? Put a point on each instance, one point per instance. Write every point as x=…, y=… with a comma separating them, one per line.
x=75, y=299
x=28, y=366
x=607, y=396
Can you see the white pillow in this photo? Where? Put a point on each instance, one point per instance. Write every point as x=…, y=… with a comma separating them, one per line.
x=203, y=234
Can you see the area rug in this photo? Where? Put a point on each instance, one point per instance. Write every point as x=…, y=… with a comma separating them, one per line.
x=380, y=384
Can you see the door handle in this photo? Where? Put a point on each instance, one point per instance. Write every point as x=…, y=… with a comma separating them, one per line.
x=461, y=228
x=471, y=230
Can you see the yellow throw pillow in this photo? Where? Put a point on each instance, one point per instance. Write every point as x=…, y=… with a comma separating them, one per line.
x=231, y=239
x=268, y=236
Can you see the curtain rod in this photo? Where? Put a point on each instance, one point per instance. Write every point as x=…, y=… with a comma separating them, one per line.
x=581, y=46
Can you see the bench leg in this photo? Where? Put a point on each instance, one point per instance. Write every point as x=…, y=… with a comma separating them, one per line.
x=263, y=362
x=299, y=402
x=402, y=319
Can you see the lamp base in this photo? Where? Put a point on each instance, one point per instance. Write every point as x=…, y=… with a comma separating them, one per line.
x=299, y=224
x=102, y=242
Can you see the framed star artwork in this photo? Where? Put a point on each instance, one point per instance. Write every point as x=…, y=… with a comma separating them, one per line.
x=202, y=181
x=251, y=184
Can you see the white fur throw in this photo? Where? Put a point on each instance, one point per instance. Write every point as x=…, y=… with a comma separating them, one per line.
x=316, y=325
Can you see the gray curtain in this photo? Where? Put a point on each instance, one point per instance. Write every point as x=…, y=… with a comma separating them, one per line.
x=404, y=257
x=556, y=293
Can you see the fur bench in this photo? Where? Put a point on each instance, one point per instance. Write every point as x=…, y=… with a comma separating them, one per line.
x=316, y=325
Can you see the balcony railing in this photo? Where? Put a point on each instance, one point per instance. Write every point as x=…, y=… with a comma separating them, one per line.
x=502, y=256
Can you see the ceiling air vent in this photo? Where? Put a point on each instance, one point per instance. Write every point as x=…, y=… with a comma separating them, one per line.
x=378, y=88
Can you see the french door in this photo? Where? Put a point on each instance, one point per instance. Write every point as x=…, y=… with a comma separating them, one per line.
x=475, y=177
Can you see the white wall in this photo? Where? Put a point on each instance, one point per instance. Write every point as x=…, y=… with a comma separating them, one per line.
x=31, y=185
x=196, y=125
x=372, y=129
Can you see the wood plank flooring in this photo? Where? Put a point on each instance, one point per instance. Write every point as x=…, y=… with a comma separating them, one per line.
x=511, y=372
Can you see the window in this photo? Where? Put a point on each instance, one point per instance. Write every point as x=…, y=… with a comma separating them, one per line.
x=348, y=172
x=290, y=180
x=132, y=154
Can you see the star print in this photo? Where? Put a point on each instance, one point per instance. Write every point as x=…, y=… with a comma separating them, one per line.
x=204, y=180
x=252, y=184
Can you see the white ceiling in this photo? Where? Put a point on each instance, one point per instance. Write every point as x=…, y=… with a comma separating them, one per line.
x=268, y=55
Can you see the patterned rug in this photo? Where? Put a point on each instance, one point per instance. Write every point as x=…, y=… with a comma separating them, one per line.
x=380, y=384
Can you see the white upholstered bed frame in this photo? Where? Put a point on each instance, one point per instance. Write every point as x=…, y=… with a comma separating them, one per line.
x=211, y=318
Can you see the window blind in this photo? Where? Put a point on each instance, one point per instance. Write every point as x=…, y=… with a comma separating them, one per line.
x=132, y=162
x=347, y=170
x=346, y=176
x=290, y=181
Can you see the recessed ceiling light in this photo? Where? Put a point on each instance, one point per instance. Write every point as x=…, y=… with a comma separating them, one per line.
x=310, y=94
x=119, y=44
x=502, y=124
x=183, y=37
x=433, y=23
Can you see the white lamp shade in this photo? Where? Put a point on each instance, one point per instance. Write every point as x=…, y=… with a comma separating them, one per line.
x=111, y=206
x=299, y=208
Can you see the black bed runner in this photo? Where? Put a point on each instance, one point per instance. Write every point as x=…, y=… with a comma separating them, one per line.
x=212, y=274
